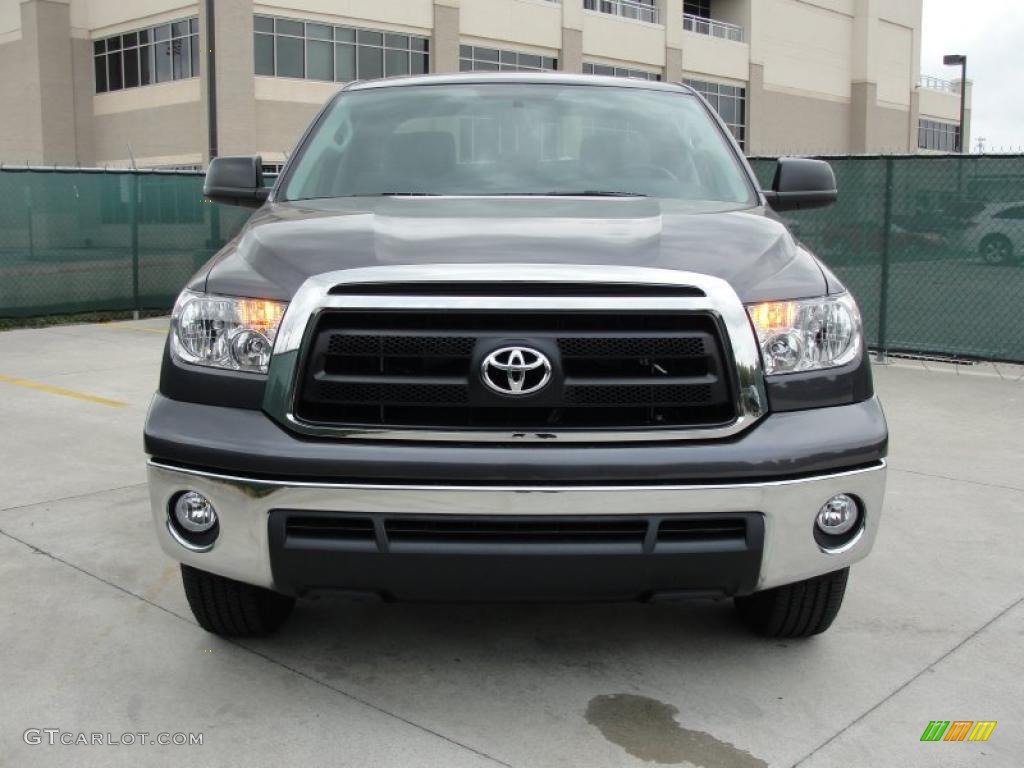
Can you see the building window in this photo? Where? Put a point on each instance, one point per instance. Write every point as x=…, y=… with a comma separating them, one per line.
x=641, y=10
x=607, y=69
x=473, y=58
x=697, y=18
x=483, y=138
x=701, y=8
x=270, y=173
x=729, y=101
x=316, y=51
x=153, y=55
x=938, y=136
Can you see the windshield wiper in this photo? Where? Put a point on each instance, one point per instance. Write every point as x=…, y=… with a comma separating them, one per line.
x=582, y=193
x=575, y=193
x=397, y=194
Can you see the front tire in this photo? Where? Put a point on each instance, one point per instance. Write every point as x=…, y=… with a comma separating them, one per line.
x=795, y=610
x=996, y=250
x=231, y=608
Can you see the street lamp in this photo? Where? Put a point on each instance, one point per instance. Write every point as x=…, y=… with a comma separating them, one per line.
x=954, y=60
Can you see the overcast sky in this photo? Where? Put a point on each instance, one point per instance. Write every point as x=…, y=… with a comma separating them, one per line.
x=991, y=34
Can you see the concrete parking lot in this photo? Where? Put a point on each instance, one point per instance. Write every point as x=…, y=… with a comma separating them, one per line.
x=97, y=637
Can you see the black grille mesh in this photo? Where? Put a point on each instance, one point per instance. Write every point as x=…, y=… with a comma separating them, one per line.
x=631, y=347
x=348, y=344
x=422, y=370
x=398, y=394
x=627, y=395
x=522, y=531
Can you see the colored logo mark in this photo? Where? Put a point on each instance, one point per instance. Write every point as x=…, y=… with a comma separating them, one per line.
x=958, y=730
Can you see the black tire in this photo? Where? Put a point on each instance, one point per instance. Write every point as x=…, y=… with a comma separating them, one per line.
x=996, y=250
x=795, y=610
x=231, y=608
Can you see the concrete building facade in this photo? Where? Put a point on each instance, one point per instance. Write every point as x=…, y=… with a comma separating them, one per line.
x=108, y=82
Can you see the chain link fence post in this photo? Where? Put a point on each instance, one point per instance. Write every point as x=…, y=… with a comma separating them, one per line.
x=133, y=196
x=883, y=299
x=213, y=240
x=28, y=216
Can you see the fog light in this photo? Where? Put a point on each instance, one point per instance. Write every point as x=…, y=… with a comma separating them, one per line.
x=838, y=515
x=194, y=512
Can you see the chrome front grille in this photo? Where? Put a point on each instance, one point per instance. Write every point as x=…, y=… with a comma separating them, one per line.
x=393, y=353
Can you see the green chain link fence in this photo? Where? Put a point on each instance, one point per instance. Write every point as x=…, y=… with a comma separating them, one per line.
x=84, y=241
x=932, y=247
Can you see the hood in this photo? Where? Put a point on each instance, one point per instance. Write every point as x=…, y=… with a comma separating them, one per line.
x=285, y=243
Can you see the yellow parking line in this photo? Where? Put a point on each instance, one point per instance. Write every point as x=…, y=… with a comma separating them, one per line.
x=161, y=331
x=50, y=389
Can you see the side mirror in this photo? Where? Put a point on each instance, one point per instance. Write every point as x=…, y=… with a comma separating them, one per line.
x=236, y=181
x=801, y=183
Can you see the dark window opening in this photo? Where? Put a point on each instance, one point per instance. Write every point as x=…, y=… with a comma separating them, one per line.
x=131, y=60
x=938, y=136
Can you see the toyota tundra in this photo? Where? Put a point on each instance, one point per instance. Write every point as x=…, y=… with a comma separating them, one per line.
x=516, y=337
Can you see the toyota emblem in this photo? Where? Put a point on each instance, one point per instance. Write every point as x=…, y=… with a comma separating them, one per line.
x=516, y=371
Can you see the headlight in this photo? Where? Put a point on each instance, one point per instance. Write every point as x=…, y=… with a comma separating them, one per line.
x=807, y=335
x=225, y=332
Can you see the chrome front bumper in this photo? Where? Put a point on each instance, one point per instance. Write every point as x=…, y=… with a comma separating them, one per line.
x=242, y=550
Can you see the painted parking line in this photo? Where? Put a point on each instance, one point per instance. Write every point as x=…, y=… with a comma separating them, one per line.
x=52, y=390
x=115, y=327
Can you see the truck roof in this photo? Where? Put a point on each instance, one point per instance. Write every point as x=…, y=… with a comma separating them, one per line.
x=563, y=78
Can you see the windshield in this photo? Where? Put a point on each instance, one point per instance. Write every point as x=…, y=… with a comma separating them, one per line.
x=517, y=139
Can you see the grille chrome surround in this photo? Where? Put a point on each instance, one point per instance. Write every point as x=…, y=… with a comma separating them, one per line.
x=326, y=292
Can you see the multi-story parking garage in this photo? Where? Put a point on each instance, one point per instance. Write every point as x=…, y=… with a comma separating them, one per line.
x=166, y=83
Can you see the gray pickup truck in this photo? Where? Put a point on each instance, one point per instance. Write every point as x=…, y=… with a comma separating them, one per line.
x=516, y=337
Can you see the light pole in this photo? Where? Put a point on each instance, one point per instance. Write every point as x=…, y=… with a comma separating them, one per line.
x=953, y=60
